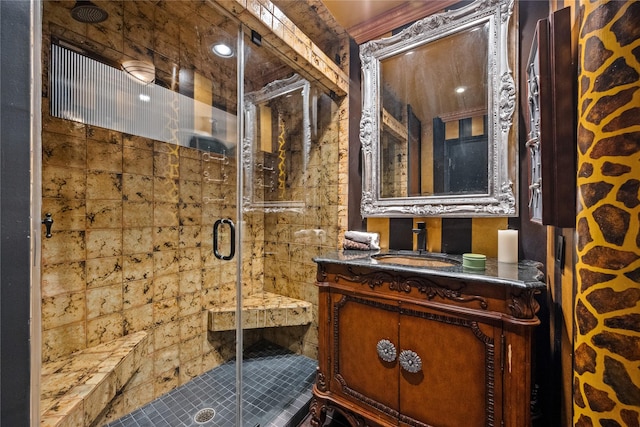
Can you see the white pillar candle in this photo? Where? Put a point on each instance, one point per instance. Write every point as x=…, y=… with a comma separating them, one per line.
x=508, y=270
x=508, y=246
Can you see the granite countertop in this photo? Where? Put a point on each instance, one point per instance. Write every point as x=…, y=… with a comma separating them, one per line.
x=525, y=274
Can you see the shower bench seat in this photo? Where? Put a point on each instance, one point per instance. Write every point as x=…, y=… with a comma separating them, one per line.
x=76, y=389
x=261, y=310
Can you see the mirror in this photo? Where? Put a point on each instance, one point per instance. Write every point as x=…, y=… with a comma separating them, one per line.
x=276, y=145
x=437, y=129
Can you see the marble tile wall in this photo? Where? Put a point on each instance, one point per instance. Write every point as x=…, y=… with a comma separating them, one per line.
x=131, y=247
x=132, y=238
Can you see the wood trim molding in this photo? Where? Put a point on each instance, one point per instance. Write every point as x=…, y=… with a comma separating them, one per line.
x=394, y=18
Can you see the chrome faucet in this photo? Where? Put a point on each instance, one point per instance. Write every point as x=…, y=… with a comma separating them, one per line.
x=421, y=231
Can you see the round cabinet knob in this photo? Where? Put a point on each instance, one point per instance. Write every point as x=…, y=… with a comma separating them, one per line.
x=386, y=350
x=410, y=361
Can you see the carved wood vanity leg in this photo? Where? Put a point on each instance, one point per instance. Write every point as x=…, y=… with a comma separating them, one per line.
x=318, y=411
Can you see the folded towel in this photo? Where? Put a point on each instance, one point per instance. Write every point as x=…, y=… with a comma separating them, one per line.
x=353, y=245
x=371, y=240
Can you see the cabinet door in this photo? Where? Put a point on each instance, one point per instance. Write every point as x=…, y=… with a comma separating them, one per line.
x=360, y=326
x=458, y=382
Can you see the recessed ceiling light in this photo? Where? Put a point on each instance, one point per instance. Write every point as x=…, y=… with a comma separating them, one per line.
x=460, y=89
x=222, y=50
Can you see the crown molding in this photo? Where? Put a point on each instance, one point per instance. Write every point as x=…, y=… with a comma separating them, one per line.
x=394, y=18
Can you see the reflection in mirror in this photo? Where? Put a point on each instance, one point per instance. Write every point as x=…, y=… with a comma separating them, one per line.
x=436, y=127
x=276, y=145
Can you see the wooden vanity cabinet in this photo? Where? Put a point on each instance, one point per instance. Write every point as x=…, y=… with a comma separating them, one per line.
x=474, y=362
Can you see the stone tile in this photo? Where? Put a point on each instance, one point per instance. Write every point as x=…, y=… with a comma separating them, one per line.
x=137, y=240
x=137, y=161
x=166, y=286
x=104, y=243
x=137, y=267
x=63, y=309
x=64, y=183
x=189, y=236
x=166, y=165
x=190, y=192
x=166, y=190
x=136, y=293
x=66, y=277
x=138, y=318
x=166, y=335
x=137, y=214
x=165, y=382
x=138, y=29
x=67, y=214
x=68, y=246
x=62, y=341
x=104, y=214
x=104, y=300
x=190, y=214
x=165, y=214
x=189, y=304
x=165, y=238
x=191, y=326
x=165, y=311
x=165, y=262
x=190, y=281
x=64, y=150
x=103, y=156
x=104, y=185
x=190, y=369
x=137, y=142
x=104, y=329
x=135, y=397
x=100, y=396
x=103, y=271
x=67, y=413
x=189, y=259
x=137, y=188
x=190, y=349
x=190, y=168
x=166, y=359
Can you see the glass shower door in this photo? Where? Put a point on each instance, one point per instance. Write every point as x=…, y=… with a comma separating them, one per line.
x=284, y=225
x=140, y=151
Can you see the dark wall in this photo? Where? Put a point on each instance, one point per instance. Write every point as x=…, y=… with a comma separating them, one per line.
x=14, y=211
x=533, y=243
x=355, y=220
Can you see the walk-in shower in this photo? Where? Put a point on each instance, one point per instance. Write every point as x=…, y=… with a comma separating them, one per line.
x=187, y=208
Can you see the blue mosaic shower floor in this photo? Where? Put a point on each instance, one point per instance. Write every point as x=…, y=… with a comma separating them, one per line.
x=277, y=389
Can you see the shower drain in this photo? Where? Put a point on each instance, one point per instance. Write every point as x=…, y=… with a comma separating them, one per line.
x=204, y=415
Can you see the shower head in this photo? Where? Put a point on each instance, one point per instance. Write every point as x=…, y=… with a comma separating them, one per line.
x=86, y=12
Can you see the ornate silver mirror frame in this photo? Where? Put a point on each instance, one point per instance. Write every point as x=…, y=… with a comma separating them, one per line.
x=258, y=178
x=500, y=198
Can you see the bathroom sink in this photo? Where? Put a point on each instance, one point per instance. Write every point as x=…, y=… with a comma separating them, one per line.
x=417, y=260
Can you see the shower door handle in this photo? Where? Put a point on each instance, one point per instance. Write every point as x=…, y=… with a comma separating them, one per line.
x=216, y=227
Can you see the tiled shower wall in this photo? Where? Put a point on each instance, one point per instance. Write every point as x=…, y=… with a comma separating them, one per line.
x=132, y=238
x=292, y=239
x=131, y=249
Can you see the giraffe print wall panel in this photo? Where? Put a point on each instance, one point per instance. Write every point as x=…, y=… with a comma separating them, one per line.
x=607, y=323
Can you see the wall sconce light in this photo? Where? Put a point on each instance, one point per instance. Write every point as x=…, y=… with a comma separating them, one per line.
x=141, y=71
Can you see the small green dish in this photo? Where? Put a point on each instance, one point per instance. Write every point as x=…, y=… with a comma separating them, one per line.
x=474, y=261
